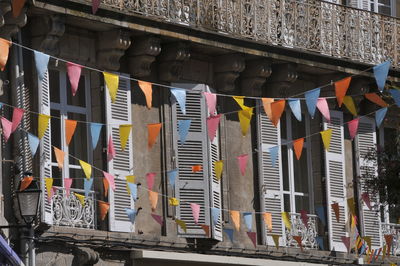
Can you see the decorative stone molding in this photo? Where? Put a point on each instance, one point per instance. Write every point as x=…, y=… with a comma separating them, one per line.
x=227, y=69
x=282, y=78
x=142, y=54
x=254, y=76
x=111, y=47
x=85, y=256
x=46, y=32
x=8, y=24
x=171, y=61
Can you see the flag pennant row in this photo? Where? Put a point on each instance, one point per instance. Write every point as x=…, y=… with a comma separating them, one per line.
x=70, y=127
x=277, y=109
x=103, y=207
x=380, y=115
x=7, y=127
x=95, y=129
x=373, y=97
x=298, y=240
x=147, y=90
x=341, y=87
x=153, y=132
x=111, y=153
x=172, y=176
x=106, y=187
x=16, y=118
x=245, y=119
x=124, y=131
x=112, y=83
x=248, y=220
x=242, y=161
x=197, y=168
x=87, y=185
x=349, y=103
x=346, y=242
x=218, y=168
x=211, y=100
x=320, y=242
x=323, y=107
x=267, y=106
x=183, y=130
x=353, y=127
x=326, y=138
x=381, y=72
x=195, y=212
x=74, y=74
x=295, y=106
x=180, y=98
x=33, y=143
x=311, y=100
x=212, y=126
x=95, y=6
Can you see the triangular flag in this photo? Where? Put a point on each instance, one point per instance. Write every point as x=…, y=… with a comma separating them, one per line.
x=368, y=240
x=242, y=161
x=16, y=118
x=95, y=6
x=383, y=252
x=346, y=242
x=323, y=107
x=59, y=157
x=95, y=129
x=195, y=212
x=147, y=89
x=253, y=238
x=172, y=176
x=87, y=185
x=240, y=101
x=341, y=87
x=4, y=50
x=298, y=240
x=381, y=72
x=7, y=127
x=286, y=220
x=373, y=97
x=273, y=152
x=111, y=153
x=103, y=207
x=320, y=242
x=206, y=229
x=295, y=107
x=17, y=6
x=326, y=138
x=25, y=182
x=173, y=201
x=180, y=97
x=218, y=168
x=43, y=123
x=389, y=241
x=352, y=206
x=268, y=220
x=181, y=224
x=211, y=100
x=235, y=215
x=183, y=130
x=87, y=168
x=276, y=240
x=110, y=179
x=131, y=214
x=320, y=212
x=49, y=185
x=212, y=126
x=396, y=96
x=33, y=143
x=277, y=109
x=41, y=62
x=153, y=132
x=70, y=126
x=349, y=103
x=158, y=219
x=248, y=220
x=130, y=178
x=311, y=100
x=112, y=83
x=150, y=180
x=298, y=147
x=365, y=198
x=133, y=190
x=353, y=127
x=153, y=198
x=335, y=207
x=229, y=232
x=197, y=168
x=67, y=185
x=267, y=106
x=380, y=115
x=74, y=74
x=124, y=131
x=215, y=213
x=106, y=187
x=304, y=217
x=245, y=119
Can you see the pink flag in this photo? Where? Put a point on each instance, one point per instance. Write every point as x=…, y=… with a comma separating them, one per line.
x=74, y=74
x=322, y=106
x=95, y=5
x=252, y=236
x=16, y=119
x=365, y=198
x=212, y=125
x=242, y=160
x=304, y=217
x=67, y=185
x=158, y=219
x=195, y=211
x=110, y=179
x=110, y=149
x=211, y=100
x=150, y=180
x=353, y=127
x=6, y=125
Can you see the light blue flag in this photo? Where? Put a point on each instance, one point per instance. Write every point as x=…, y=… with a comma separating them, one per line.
x=95, y=129
x=380, y=115
x=133, y=189
x=273, y=152
x=183, y=128
x=131, y=214
x=320, y=211
x=215, y=212
x=172, y=176
x=396, y=96
x=248, y=220
x=381, y=72
x=88, y=185
x=180, y=97
x=41, y=61
x=1, y=105
x=33, y=143
x=296, y=108
x=320, y=242
x=363, y=248
x=311, y=100
x=229, y=232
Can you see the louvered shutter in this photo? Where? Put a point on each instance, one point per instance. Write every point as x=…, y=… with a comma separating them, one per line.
x=360, y=4
x=365, y=141
x=45, y=147
x=336, y=181
x=270, y=178
x=119, y=113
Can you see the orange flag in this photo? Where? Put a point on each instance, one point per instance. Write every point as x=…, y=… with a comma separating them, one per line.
x=4, y=49
x=268, y=220
x=17, y=6
x=341, y=87
x=25, y=182
x=154, y=131
x=106, y=186
x=267, y=106
x=298, y=147
x=196, y=168
x=148, y=92
x=153, y=197
x=70, y=126
x=103, y=207
x=277, y=109
x=235, y=215
x=298, y=240
x=59, y=157
x=373, y=97
x=206, y=229
x=335, y=207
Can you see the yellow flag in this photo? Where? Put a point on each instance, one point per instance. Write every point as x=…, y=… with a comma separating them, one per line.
x=43, y=123
x=240, y=101
x=173, y=201
x=286, y=220
x=218, y=167
x=182, y=224
x=124, y=131
x=351, y=205
x=81, y=198
x=112, y=82
x=326, y=138
x=245, y=118
x=276, y=240
x=129, y=179
x=87, y=168
x=49, y=185
x=349, y=103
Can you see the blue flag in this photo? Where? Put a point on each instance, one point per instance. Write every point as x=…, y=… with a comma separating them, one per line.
x=248, y=220
x=295, y=107
x=396, y=96
x=363, y=248
x=87, y=185
x=381, y=72
x=41, y=61
x=380, y=115
x=95, y=129
x=133, y=189
x=215, y=213
x=320, y=211
x=320, y=242
x=311, y=100
x=131, y=214
x=172, y=176
x=180, y=97
x=229, y=232
x=1, y=105
x=183, y=128
x=33, y=143
x=273, y=151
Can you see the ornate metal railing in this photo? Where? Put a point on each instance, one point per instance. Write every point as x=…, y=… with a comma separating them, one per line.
x=307, y=233
x=310, y=25
x=394, y=230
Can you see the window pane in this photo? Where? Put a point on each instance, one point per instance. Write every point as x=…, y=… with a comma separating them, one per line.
x=54, y=86
x=298, y=128
x=78, y=147
x=301, y=173
x=56, y=174
x=302, y=203
x=285, y=168
x=286, y=202
x=80, y=97
x=384, y=10
x=77, y=175
x=283, y=126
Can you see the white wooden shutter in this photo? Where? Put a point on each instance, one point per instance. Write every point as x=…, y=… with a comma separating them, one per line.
x=360, y=4
x=336, y=181
x=270, y=178
x=119, y=113
x=45, y=147
x=365, y=141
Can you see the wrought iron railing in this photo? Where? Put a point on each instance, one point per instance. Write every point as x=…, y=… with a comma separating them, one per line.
x=394, y=230
x=310, y=25
x=307, y=233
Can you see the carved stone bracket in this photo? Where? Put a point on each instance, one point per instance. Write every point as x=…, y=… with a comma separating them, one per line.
x=142, y=54
x=254, y=76
x=112, y=46
x=86, y=256
x=282, y=78
x=227, y=69
x=46, y=32
x=171, y=61
x=9, y=24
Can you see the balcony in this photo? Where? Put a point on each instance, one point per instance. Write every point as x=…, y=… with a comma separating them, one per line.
x=307, y=233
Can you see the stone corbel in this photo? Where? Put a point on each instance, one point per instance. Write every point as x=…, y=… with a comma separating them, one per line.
x=254, y=76
x=282, y=78
x=10, y=25
x=112, y=46
x=227, y=69
x=46, y=32
x=171, y=61
x=85, y=256
x=142, y=54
